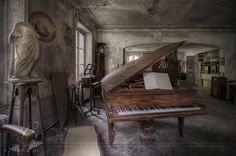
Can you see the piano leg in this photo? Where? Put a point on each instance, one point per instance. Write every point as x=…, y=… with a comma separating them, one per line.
x=110, y=131
x=181, y=125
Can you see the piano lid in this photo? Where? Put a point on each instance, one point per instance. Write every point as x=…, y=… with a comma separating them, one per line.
x=130, y=70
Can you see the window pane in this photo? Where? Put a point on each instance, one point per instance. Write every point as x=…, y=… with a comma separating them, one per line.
x=81, y=41
x=133, y=57
x=81, y=71
x=77, y=39
x=81, y=56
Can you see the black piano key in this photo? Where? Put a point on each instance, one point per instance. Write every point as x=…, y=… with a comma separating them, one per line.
x=145, y=108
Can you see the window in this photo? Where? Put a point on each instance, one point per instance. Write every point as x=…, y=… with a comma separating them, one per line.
x=80, y=54
x=133, y=56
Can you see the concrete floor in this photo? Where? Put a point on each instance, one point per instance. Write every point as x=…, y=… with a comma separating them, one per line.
x=212, y=134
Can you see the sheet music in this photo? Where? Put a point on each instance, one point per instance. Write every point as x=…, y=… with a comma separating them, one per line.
x=154, y=80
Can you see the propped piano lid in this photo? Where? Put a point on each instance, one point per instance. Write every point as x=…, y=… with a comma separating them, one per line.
x=130, y=70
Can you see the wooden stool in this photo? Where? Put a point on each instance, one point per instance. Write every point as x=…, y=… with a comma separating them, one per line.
x=25, y=89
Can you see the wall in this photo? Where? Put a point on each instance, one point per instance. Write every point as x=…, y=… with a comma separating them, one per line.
x=1, y=49
x=117, y=39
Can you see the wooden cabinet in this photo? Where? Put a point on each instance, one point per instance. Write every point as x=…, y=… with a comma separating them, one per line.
x=218, y=87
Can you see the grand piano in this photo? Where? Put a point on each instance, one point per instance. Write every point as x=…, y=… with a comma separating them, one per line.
x=125, y=103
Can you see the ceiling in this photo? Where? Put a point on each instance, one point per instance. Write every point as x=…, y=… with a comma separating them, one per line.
x=159, y=13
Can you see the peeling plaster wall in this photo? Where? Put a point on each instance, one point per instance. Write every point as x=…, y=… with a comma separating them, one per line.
x=117, y=39
x=55, y=56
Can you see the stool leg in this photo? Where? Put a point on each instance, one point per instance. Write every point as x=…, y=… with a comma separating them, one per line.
x=40, y=117
x=29, y=92
x=22, y=100
x=14, y=94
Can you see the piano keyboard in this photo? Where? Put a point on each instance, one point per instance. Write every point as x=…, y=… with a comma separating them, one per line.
x=156, y=109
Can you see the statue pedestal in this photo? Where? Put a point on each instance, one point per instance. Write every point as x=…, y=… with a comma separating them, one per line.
x=22, y=89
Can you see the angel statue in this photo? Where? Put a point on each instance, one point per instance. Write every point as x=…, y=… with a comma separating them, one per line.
x=25, y=51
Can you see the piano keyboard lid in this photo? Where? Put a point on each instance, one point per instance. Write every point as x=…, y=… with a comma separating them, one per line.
x=130, y=70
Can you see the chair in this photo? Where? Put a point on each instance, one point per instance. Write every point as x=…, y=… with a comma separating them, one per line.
x=26, y=135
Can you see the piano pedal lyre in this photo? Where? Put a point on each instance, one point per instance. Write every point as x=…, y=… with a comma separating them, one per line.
x=147, y=131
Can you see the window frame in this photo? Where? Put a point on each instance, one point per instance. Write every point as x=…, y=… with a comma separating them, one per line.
x=78, y=68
